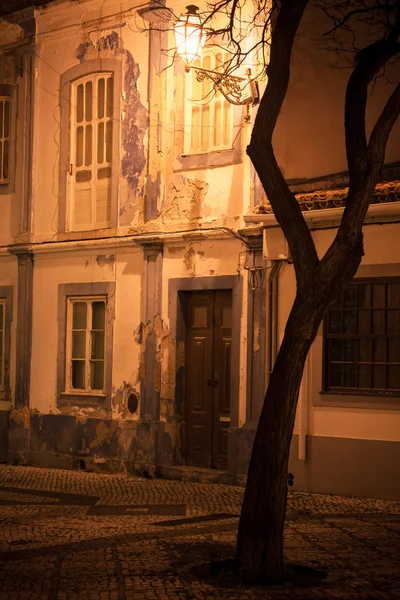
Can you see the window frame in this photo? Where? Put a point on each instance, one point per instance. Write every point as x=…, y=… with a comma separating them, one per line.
x=90, y=68
x=6, y=298
x=85, y=291
x=9, y=92
x=88, y=300
x=365, y=396
x=207, y=159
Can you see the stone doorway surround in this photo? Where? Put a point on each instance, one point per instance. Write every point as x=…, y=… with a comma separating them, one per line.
x=178, y=332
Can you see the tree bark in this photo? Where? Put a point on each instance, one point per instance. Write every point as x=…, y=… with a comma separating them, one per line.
x=260, y=545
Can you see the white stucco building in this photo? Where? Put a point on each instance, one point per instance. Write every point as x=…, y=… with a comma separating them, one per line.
x=133, y=333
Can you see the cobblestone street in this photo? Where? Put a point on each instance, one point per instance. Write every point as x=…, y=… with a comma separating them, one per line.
x=67, y=535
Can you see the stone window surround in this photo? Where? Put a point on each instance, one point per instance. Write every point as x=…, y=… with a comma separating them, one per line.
x=11, y=91
x=66, y=290
x=6, y=293
x=216, y=158
x=339, y=399
x=66, y=80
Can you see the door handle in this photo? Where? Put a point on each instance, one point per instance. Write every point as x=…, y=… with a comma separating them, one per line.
x=212, y=382
x=215, y=381
x=209, y=382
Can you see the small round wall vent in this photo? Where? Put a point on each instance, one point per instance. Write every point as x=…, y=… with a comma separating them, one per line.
x=133, y=402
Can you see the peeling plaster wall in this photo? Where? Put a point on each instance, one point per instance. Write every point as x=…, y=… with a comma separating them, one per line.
x=83, y=268
x=12, y=74
x=63, y=45
x=198, y=259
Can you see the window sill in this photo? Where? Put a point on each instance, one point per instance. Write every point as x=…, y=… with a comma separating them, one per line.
x=346, y=400
x=84, y=399
x=214, y=158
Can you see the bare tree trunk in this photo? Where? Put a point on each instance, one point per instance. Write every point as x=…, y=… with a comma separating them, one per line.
x=260, y=538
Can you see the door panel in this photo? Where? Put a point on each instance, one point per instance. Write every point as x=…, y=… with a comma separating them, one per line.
x=207, y=377
x=198, y=369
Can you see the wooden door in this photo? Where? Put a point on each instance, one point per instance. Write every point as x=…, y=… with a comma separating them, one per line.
x=207, y=377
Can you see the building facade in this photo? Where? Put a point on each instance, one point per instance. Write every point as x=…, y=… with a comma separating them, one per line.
x=144, y=283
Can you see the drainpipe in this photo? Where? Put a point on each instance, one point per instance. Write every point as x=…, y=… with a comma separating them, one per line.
x=272, y=322
x=302, y=412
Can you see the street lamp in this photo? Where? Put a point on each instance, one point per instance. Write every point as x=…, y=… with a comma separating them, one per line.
x=190, y=37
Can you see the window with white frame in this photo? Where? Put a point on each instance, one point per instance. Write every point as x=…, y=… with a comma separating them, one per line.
x=5, y=139
x=85, y=351
x=91, y=151
x=208, y=115
x=2, y=341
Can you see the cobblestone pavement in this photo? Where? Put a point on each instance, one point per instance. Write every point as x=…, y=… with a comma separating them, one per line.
x=67, y=535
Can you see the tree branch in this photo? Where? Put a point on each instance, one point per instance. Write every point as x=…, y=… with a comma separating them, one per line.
x=382, y=128
x=283, y=202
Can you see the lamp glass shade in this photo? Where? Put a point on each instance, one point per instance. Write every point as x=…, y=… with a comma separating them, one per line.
x=189, y=36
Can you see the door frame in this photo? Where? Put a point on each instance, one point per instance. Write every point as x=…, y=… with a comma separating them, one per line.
x=177, y=325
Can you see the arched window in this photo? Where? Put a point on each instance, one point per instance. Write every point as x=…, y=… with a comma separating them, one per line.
x=89, y=147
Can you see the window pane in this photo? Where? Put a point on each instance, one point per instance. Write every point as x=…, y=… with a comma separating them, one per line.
x=378, y=321
x=5, y=159
x=109, y=141
x=88, y=101
x=101, y=91
x=365, y=350
x=336, y=375
x=335, y=321
x=78, y=344
x=79, y=103
x=88, y=145
x=379, y=377
x=97, y=350
x=98, y=314
x=100, y=142
x=394, y=377
x=79, y=315
x=104, y=173
x=394, y=295
x=110, y=99
x=363, y=295
x=350, y=321
x=351, y=350
x=217, y=124
x=336, y=349
x=393, y=321
x=227, y=124
x=349, y=296
x=394, y=351
x=379, y=295
x=364, y=376
x=350, y=376
x=79, y=147
x=364, y=321
x=380, y=350
x=195, y=129
x=97, y=375
x=83, y=176
x=6, y=118
x=78, y=374
x=205, y=127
